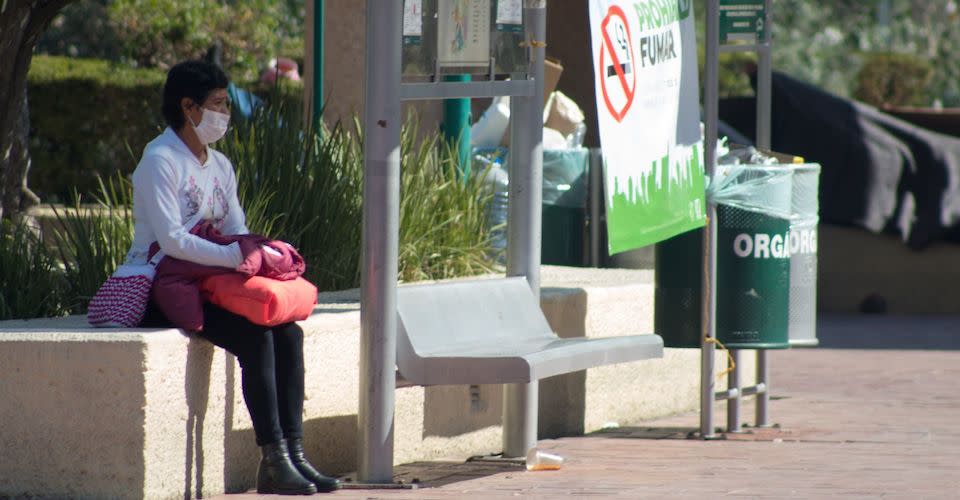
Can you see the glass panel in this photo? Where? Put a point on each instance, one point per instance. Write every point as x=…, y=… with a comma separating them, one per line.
x=509, y=54
x=462, y=37
x=417, y=59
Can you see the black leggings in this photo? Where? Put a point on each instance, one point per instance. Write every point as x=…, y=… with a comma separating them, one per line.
x=272, y=370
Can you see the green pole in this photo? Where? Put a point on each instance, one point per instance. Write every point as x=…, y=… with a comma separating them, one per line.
x=456, y=125
x=317, y=60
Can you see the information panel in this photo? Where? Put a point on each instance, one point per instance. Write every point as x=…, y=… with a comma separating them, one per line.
x=742, y=21
x=463, y=30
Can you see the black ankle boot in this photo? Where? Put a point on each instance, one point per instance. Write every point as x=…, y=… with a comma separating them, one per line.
x=277, y=474
x=323, y=483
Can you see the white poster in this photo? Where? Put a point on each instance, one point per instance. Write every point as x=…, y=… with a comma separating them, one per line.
x=412, y=18
x=463, y=33
x=645, y=69
x=509, y=12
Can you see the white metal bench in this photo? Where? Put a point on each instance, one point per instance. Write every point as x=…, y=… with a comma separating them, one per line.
x=493, y=332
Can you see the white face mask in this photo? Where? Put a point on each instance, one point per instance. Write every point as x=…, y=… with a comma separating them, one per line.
x=212, y=127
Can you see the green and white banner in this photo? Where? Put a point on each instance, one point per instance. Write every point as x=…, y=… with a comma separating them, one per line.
x=645, y=66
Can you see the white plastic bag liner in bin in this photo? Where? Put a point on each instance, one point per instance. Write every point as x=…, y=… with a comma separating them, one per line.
x=764, y=189
x=803, y=255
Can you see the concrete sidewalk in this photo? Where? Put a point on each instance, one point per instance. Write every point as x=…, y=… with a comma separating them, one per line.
x=859, y=418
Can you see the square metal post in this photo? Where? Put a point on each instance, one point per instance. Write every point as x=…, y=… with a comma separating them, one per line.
x=711, y=109
x=764, y=111
x=763, y=398
x=733, y=388
x=381, y=222
x=520, y=401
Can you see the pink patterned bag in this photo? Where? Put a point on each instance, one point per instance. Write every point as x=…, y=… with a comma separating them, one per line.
x=122, y=300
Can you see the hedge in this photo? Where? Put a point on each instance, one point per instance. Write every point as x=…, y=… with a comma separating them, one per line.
x=91, y=117
x=890, y=78
x=88, y=117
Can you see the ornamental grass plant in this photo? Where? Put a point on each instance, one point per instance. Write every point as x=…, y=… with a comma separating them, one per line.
x=303, y=187
x=92, y=240
x=306, y=188
x=443, y=215
x=30, y=277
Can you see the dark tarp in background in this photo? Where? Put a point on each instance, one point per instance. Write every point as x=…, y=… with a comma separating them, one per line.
x=879, y=172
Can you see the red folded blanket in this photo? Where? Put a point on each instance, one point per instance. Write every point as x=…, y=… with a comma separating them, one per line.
x=263, y=301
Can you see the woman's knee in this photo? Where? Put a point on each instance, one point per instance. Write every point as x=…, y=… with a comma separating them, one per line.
x=290, y=333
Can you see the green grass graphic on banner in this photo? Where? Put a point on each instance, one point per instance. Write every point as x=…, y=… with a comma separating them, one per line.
x=659, y=203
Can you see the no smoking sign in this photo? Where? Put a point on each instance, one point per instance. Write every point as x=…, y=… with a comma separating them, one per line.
x=618, y=75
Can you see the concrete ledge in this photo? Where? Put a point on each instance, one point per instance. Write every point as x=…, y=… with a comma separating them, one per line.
x=92, y=413
x=855, y=264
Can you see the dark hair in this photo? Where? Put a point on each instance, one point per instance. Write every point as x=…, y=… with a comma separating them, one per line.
x=191, y=79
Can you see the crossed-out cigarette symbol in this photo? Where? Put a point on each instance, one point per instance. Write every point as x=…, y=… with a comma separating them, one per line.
x=623, y=43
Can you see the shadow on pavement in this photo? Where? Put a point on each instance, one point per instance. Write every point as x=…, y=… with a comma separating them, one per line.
x=441, y=473
x=648, y=433
x=863, y=331
x=747, y=433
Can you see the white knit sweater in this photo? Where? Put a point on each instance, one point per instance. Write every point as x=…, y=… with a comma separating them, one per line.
x=170, y=189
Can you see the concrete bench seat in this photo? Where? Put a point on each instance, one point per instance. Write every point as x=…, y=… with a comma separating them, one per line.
x=494, y=332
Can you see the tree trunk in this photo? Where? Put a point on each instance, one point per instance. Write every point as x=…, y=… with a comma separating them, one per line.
x=21, y=24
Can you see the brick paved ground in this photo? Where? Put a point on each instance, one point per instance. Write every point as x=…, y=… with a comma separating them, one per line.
x=854, y=423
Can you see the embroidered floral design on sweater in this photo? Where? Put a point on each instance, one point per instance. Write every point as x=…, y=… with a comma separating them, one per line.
x=193, y=195
x=218, y=198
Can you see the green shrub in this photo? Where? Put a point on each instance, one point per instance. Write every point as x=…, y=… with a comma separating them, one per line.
x=160, y=33
x=94, y=240
x=164, y=32
x=888, y=78
x=734, y=69
x=88, y=118
x=72, y=29
x=31, y=283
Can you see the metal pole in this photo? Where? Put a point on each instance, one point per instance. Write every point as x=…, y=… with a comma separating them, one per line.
x=381, y=214
x=318, y=28
x=763, y=378
x=711, y=108
x=764, y=83
x=596, y=192
x=520, y=413
x=456, y=125
x=764, y=107
x=308, y=34
x=313, y=61
x=523, y=220
x=733, y=403
x=741, y=392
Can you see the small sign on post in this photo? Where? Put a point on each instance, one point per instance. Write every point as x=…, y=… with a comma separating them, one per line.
x=510, y=16
x=463, y=33
x=412, y=22
x=742, y=21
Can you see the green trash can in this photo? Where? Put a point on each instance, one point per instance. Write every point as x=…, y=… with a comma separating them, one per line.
x=565, y=175
x=565, y=188
x=677, y=309
x=753, y=277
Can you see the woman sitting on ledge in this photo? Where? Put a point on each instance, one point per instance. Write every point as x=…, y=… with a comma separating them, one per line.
x=180, y=181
